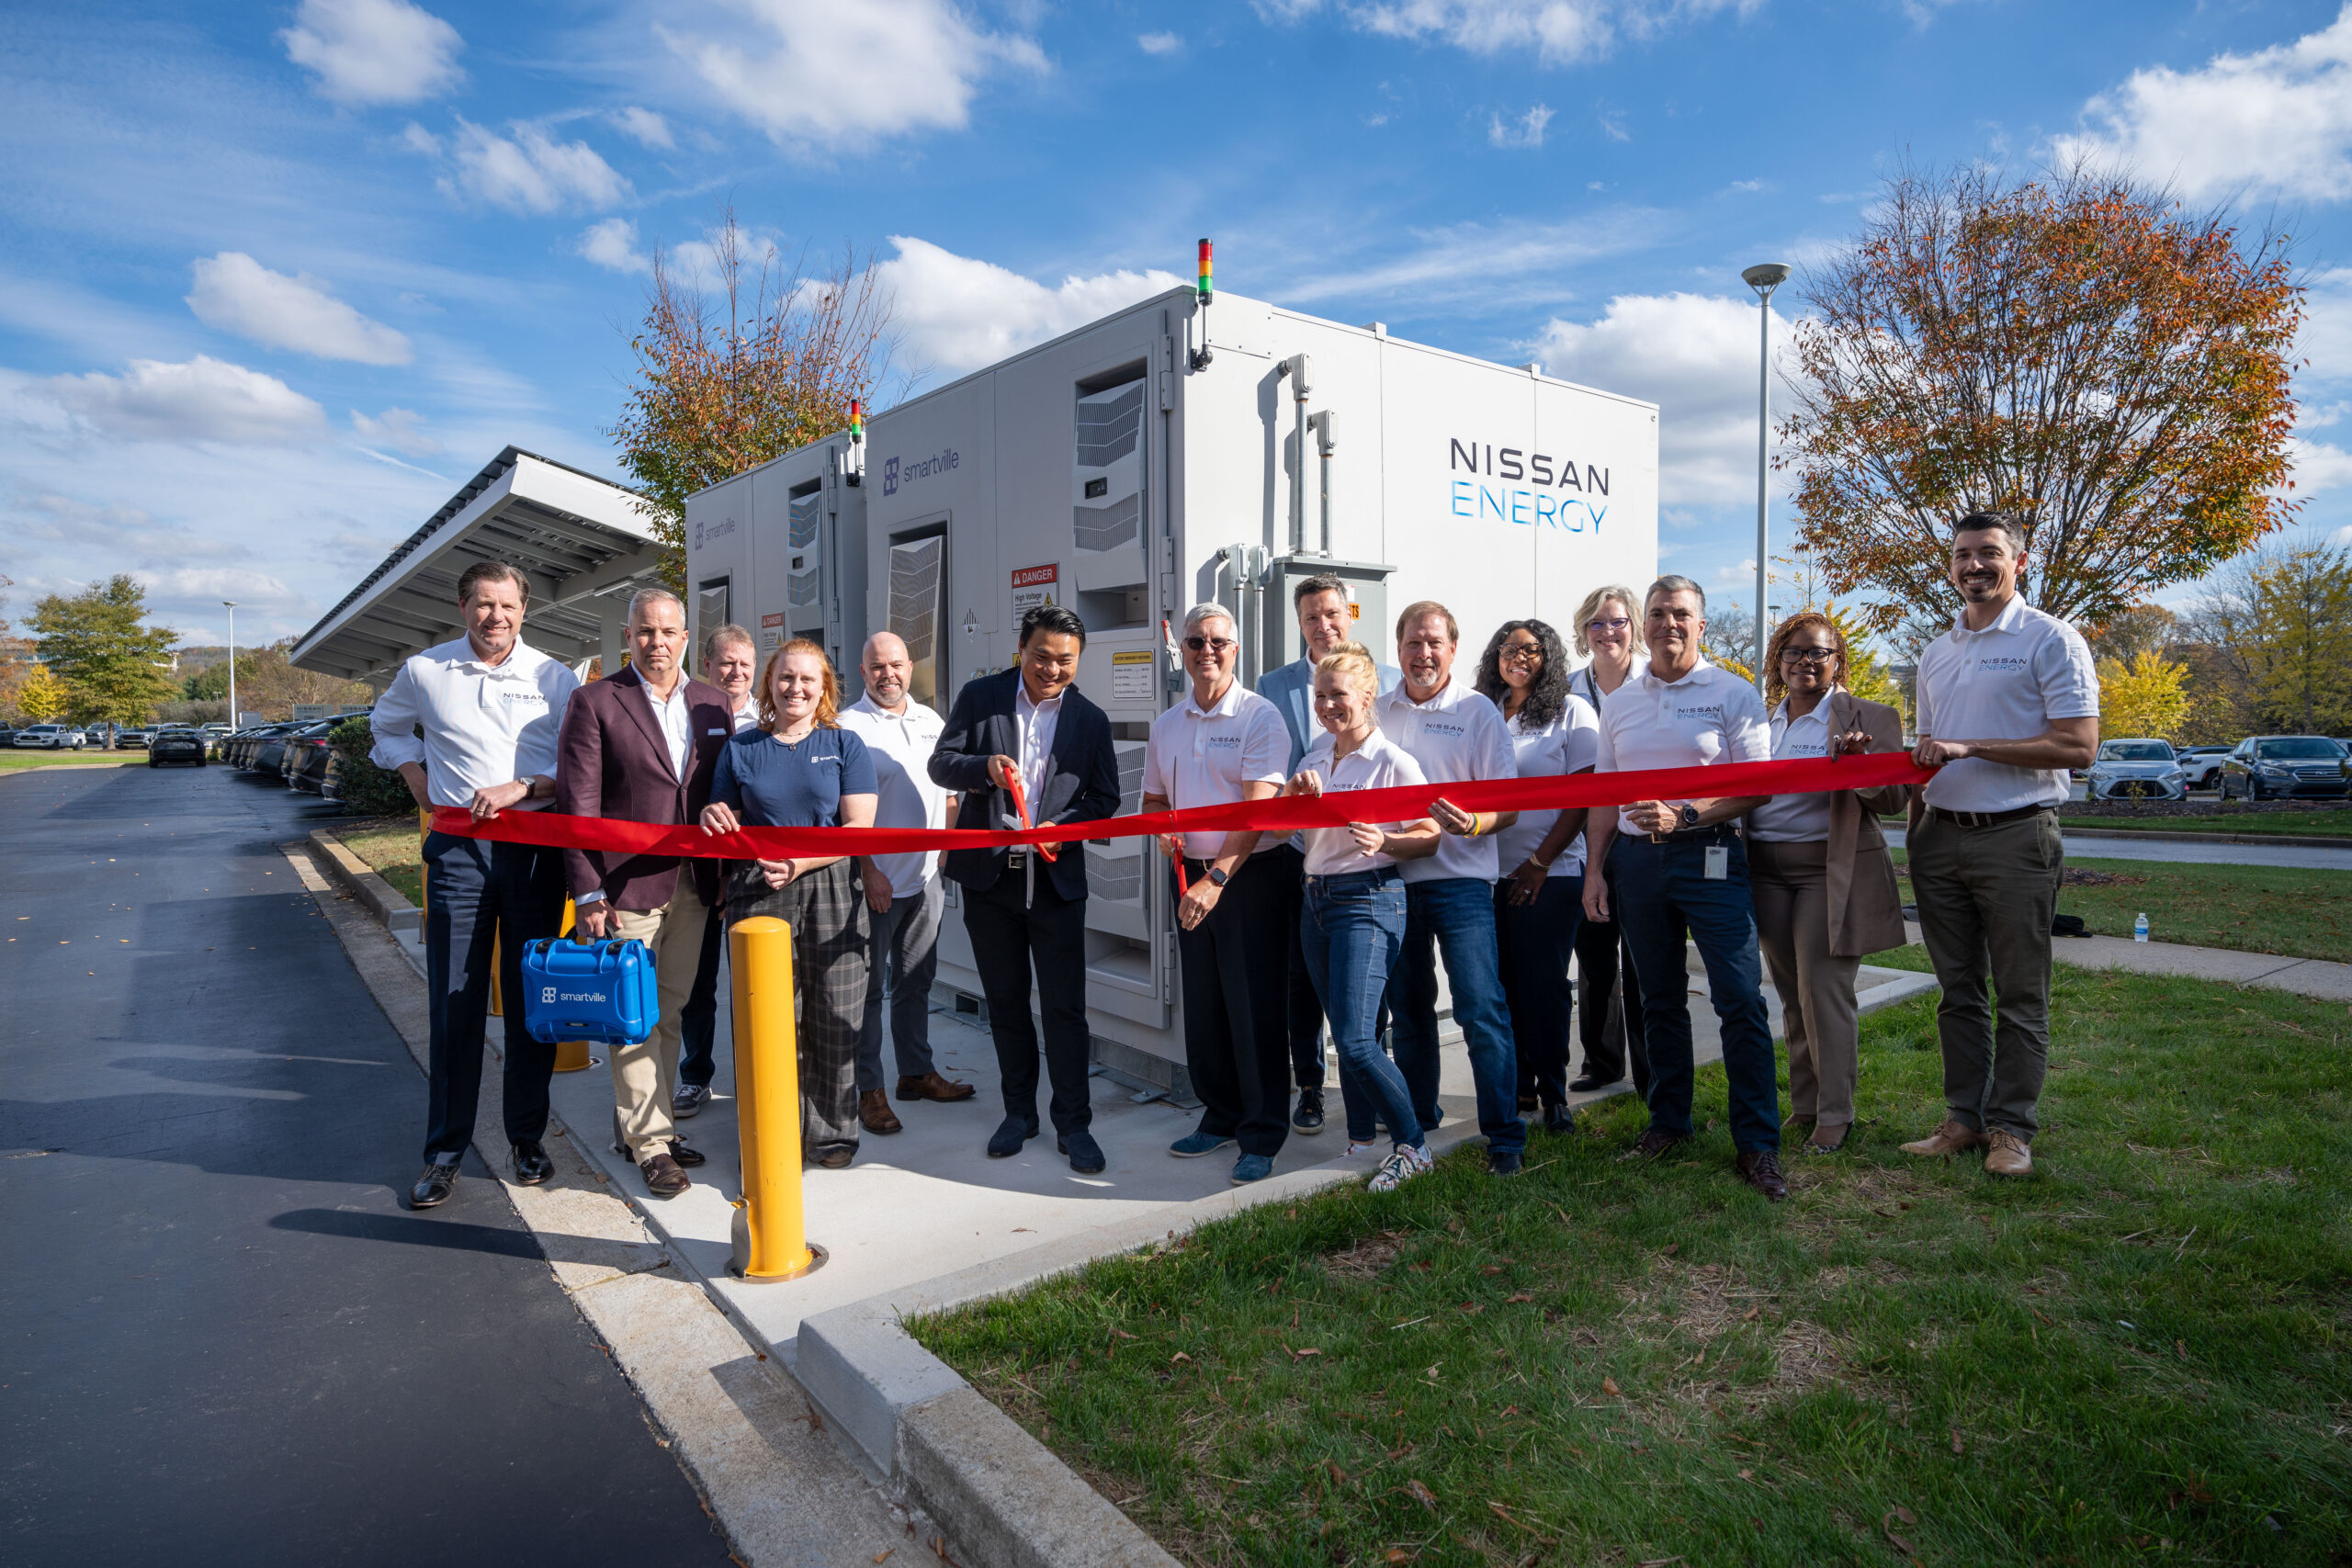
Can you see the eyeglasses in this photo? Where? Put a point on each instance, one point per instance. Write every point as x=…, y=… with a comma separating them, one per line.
x=1617, y=624
x=1208, y=644
x=1522, y=652
x=1807, y=655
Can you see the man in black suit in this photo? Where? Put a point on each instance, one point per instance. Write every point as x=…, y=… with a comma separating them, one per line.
x=1020, y=909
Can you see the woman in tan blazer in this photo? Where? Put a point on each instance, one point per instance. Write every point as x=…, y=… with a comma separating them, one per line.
x=1824, y=883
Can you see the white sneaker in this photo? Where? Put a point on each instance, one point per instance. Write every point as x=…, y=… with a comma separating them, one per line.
x=1355, y=1149
x=1403, y=1164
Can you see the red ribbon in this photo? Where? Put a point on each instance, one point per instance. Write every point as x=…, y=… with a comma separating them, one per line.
x=1283, y=813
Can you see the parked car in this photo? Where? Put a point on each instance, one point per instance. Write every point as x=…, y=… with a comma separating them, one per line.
x=138, y=734
x=249, y=744
x=304, y=765
x=2202, y=764
x=174, y=744
x=48, y=737
x=2136, y=769
x=269, y=754
x=2287, y=766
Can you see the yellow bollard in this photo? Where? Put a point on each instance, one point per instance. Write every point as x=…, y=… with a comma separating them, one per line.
x=770, y=1231
x=570, y=1055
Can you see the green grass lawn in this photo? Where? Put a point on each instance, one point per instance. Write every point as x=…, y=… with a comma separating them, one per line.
x=2310, y=824
x=10, y=757
x=390, y=847
x=2137, y=1354
x=2253, y=908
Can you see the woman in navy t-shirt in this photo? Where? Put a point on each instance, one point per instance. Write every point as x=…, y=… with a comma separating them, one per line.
x=800, y=769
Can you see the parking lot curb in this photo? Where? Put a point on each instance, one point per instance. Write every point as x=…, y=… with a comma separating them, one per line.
x=2283, y=841
x=382, y=901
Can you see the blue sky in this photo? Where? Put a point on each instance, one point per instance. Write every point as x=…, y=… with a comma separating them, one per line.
x=276, y=279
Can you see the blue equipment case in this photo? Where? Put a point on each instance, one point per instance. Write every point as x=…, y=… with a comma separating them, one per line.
x=603, y=992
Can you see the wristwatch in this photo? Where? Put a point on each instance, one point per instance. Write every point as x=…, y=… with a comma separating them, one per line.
x=1690, y=816
x=1217, y=876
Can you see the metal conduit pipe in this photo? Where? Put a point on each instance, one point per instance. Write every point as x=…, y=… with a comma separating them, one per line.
x=1324, y=446
x=1295, y=368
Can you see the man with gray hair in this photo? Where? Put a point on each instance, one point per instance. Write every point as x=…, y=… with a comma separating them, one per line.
x=1225, y=744
x=730, y=661
x=903, y=899
x=641, y=746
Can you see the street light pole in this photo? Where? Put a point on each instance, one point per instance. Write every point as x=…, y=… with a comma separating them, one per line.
x=1764, y=278
x=232, y=662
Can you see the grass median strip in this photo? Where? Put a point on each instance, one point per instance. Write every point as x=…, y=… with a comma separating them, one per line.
x=2251, y=908
x=2322, y=823
x=391, y=850
x=2140, y=1349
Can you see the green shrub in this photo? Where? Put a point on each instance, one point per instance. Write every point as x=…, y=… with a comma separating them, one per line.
x=365, y=789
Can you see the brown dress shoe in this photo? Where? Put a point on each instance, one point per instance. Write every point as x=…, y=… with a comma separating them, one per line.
x=1952, y=1138
x=1652, y=1144
x=931, y=1086
x=663, y=1177
x=2009, y=1154
x=1760, y=1168
x=836, y=1158
x=873, y=1112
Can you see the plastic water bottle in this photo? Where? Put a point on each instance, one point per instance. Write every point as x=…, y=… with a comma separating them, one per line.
x=2139, y=927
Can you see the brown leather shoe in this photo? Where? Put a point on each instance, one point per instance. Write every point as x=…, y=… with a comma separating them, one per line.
x=1953, y=1137
x=836, y=1158
x=1760, y=1168
x=931, y=1086
x=873, y=1112
x=2009, y=1154
x=1826, y=1140
x=1653, y=1143
x=663, y=1177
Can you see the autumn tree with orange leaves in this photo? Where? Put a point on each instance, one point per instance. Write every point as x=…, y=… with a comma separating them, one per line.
x=2077, y=347
x=741, y=365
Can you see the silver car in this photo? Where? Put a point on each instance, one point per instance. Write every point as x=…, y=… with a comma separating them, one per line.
x=49, y=738
x=2137, y=770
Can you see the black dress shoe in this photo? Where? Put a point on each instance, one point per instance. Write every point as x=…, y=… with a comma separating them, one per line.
x=1760, y=1168
x=1505, y=1162
x=1654, y=1144
x=686, y=1154
x=532, y=1165
x=1010, y=1133
x=1085, y=1154
x=1309, y=1117
x=433, y=1187
x=1559, y=1118
x=1585, y=1083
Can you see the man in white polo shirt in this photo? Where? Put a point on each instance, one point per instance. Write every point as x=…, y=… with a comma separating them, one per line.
x=1455, y=735
x=2007, y=702
x=490, y=708
x=1680, y=864
x=903, y=897
x=1225, y=744
x=730, y=662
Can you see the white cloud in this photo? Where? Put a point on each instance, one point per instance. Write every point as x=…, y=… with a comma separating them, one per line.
x=1556, y=32
x=612, y=244
x=1160, y=43
x=1613, y=124
x=237, y=294
x=203, y=400
x=373, y=52
x=396, y=428
x=828, y=77
x=1692, y=355
x=528, y=172
x=2279, y=119
x=958, y=313
x=1481, y=266
x=646, y=129
x=2325, y=338
x=2319, y=468
x=1526, y=130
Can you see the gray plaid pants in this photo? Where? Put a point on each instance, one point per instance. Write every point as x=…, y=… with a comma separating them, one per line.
x=827, y=912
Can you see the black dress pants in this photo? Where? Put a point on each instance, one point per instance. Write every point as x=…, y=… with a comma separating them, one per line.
x=698, y=1019
x=1608, y=1007
x=480, y=897
x=1015, y=931
x=1534, y=943
x=1236, y=981
x=1304, y=1008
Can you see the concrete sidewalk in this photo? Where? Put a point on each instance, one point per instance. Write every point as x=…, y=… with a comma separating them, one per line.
x=2317, y=978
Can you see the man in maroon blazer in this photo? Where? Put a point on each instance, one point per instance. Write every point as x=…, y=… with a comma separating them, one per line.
x=641, y=746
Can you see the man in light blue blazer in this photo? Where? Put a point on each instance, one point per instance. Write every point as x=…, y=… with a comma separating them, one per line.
x=1326, y=619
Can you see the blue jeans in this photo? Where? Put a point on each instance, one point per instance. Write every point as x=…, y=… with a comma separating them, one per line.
x=1350, y=930
x=1456, y=916
x=1660, y=890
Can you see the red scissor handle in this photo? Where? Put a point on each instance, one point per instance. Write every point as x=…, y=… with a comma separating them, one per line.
x=1021, y=808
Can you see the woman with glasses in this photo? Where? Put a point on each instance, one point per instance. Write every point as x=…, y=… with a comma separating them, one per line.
x=1609, y=634
x=1823, y=880
x=1352, y=926
x=1538, y=900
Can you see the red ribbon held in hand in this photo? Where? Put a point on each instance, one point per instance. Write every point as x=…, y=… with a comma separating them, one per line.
x=1021, y=808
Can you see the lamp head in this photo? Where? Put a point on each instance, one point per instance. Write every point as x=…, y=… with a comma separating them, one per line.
x=1765, y=277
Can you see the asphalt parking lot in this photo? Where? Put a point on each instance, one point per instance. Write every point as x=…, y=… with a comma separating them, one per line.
x=225, y=1339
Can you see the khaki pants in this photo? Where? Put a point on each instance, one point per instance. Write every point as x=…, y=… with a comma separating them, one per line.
x=1985, y=898
x=646, y=1075
x=1790, y=882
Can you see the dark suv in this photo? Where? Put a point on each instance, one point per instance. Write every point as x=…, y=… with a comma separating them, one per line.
x=2283, y=767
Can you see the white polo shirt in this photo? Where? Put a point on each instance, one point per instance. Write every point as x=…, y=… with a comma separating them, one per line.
x=1709, y=716
x=1456, y=736
x=901, y=745
x=1795, y=818
x=1378, y=764
x=484, y=724
x=671, y=719
x=1198, y=756
x=2006, y=683
x=747, y=715
x=1569, y=744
